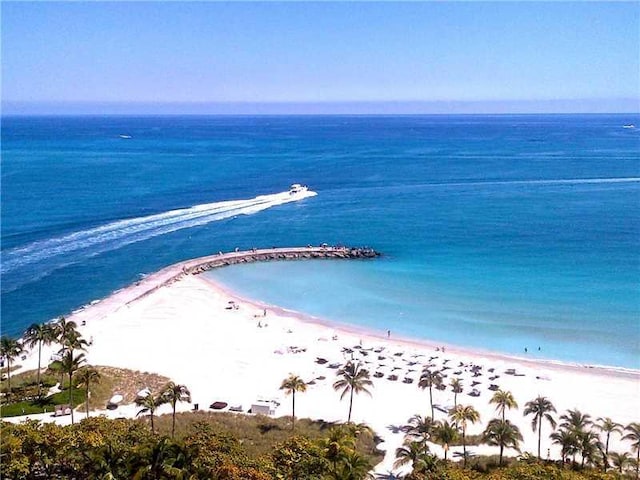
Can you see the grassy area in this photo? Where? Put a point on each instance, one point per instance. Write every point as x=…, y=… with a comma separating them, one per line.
x=259, y=434
x=26, y=383
x=24, y=388
x=44, y=405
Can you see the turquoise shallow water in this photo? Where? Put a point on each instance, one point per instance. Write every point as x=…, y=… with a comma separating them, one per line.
x=498, y=232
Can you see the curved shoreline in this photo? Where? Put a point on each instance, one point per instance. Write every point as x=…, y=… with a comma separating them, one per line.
x=193, y=267
x=372, y=334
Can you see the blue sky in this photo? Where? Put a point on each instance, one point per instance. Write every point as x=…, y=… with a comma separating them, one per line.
x=203, y=56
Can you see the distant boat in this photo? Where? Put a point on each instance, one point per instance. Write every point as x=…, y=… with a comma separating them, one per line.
x=629, y=126
x=125, y=136
x=296, y=189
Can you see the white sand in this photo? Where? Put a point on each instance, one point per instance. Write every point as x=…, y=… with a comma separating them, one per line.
x=185, y=331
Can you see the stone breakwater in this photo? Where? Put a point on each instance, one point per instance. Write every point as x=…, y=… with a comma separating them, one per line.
x=298, y=253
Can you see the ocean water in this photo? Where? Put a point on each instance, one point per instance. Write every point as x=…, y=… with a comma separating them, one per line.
x=497, y=232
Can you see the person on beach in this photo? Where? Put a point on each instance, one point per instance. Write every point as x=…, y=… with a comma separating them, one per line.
x=388, y=333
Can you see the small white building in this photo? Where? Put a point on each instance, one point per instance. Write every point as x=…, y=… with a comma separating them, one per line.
x=261, y=407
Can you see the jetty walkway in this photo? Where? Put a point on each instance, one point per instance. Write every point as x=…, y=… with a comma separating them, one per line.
x=175, y=272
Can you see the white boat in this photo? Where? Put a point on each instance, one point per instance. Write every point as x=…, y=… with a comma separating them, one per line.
x=125, y=136
x=296, y=189
x=629, y=126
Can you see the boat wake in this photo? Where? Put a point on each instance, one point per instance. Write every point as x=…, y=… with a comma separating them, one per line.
x=70, y=248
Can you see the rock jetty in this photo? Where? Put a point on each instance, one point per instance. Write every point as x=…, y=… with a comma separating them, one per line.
x=199, y=265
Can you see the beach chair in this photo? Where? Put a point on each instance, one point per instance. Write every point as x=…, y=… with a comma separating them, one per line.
x=62, y=410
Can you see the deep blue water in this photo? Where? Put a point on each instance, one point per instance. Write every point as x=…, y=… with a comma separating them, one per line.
x=498, y=232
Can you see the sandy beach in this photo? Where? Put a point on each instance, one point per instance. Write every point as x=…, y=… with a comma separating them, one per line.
x=224, y=348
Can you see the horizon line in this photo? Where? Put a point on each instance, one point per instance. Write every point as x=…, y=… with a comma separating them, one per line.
x=354, y=107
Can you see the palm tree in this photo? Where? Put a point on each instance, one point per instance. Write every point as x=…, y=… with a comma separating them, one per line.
x=173, y=393
x=70, y=365
x=620, y=460
x=338, y=444
x=86, y=376
x=10, y=349
x=634, y=435
x=164, y=459
x=463, y=414
x=430, y=379
x=568, y=442
x=456, y=386
x=608, y=426
x=73, y=341
x=64, y=329
x=149, y=404
x=354, y=380
x=503, y=399
x=39, y=334
x=502, y=433
x=445, y=433
x=353, y=466
x=590, y=447
x=540, y=408
x=575, y=420
x=291, y=385
x=414, y=453
x=420, y=428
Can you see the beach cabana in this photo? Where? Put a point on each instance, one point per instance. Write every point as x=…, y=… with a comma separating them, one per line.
x=262, y=408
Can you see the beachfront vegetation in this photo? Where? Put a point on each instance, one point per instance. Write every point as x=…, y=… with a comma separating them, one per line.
x=27, y=401
x=420, y=428
x=173, y=393
x=85, y=377
x=69, y=365
x=9, y=349
x=503, y=400
x=39, y=334
x=462, y=415
x=608, y=426
x=633, y=436
x=444, y=434
x=541, y=408
x=230, y=446
x=212, y=446
x=430, y=379
x=353, y=379
x=456, y=387
x=149, y=404
x=291, y=385
x=502, y=433
x=582, y=448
